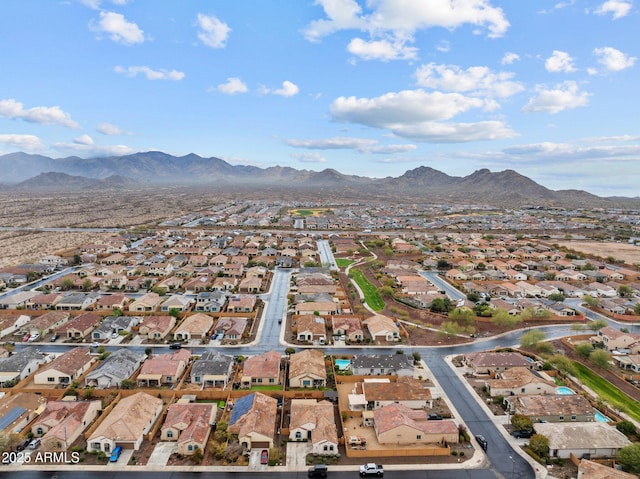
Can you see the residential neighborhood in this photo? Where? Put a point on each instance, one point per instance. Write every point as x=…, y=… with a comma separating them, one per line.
x=166, y=349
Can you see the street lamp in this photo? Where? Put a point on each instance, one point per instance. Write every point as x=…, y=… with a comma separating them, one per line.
x=513, y=467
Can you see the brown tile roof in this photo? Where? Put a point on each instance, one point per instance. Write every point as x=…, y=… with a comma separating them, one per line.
x=260, y=417
x=193, y=420
x=554, y=405
x=266, y=365
x=70, y=362
x=406, y=388
x=129, y=418
x=309, y=361
x=394, y=415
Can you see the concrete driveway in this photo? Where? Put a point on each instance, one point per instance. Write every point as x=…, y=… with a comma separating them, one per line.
x=161, y=453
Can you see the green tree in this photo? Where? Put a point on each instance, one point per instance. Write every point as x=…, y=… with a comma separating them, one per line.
x=474, y=296
x=116, y=312
x=562, y=363
x=530, y=339
x=596, y=325
x=636, y=310
x=557, y=297
x=385, y=291
x=463, y=316
x=600, y=358
x=441, y=305
x=502, y=318
x=127, y=384
x=625, y=291
x=66, y=284
x=521, y=422
x=629, y=457
x=583, y=349
x=626, y=427
x=174, y=312
x=443, y=264
x=539, y=444
x=590, y=300
x=87, y=285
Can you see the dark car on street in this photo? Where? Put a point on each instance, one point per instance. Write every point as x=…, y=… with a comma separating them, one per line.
x=524, y=433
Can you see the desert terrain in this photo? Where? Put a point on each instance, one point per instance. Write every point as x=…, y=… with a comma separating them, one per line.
x=628, y=253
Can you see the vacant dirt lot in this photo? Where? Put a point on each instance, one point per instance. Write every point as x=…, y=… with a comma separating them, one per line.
x=628, y=253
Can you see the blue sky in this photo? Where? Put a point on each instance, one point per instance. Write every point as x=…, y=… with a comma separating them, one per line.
x=372, y=88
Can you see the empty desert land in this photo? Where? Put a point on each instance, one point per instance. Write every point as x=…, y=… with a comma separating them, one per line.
x=626, y=252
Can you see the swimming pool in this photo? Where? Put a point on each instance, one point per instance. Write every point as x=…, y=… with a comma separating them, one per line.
x=564, y=390
x=601, y=417
x=343, y=364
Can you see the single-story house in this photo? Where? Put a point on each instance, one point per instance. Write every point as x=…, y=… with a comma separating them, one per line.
x=64, y=369
x=397, y=424
x=126, y=424
x=188, y=424
x=314, y=422
x=62, y=422
x=116, y=367
x=254, y=421
x=212, y=369
x=589, y=440
x=307, y=369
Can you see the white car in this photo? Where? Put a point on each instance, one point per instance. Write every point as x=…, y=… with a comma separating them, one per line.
x=34, y=337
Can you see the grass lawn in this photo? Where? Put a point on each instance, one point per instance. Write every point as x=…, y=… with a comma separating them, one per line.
x=607, y=392
x=371, y=295
x=274, y=387
x=343, y=262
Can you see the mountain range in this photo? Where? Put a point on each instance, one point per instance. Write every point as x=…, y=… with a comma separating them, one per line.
x=22, y=172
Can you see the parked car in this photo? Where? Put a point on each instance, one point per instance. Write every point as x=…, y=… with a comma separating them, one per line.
x=434, y=417
x=34, y=337
x=319, y=470
x=115, y=454
x=54, y=338
x=26, y=338
x=34, y=443
x=371, y=469
x=175, y=346
x=482, y=442
x=23, y=444
x=214, y=337
x=264, y=457
x=524, y=433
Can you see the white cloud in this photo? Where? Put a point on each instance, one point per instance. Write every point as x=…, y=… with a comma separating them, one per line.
x=232, y=86
x=406, y=17
x=362, y=145
x=84, y=140
x=213, y=32
x=335, y=143
x=24, y=142
x=443, y=46
x=552, y=152
x=436, y=132
x=417, y=115
x=92, y=149
x=509, y=58
x=564, y=96
x=43, y=115
x=613, y=60
x=384, y=50
x=118, y=28
x=559, y=62
x=477, y=79
x=112, y=130
x=149, y=73
x=310, y=157
x=409, y=106
x=288, y=89
x=618, y=8
x=95, y=4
